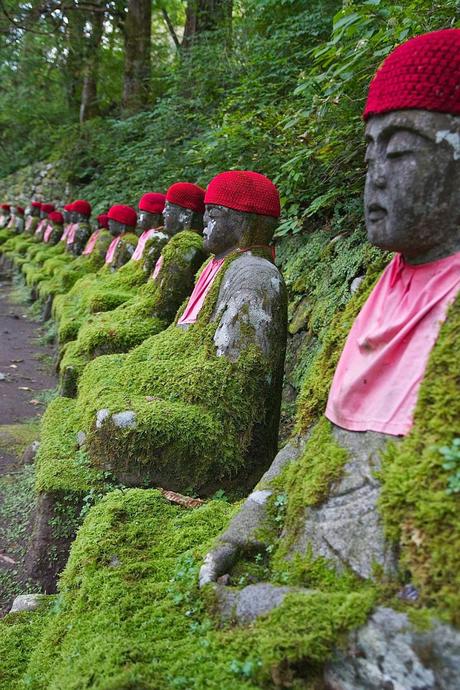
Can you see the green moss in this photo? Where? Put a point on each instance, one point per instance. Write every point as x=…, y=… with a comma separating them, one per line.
x=147, y=313
x=130, y=606
x=418, y=512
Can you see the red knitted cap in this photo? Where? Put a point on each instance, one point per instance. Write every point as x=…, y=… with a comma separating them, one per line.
x=56, y=217
x=103, y=220
x=152, y=202
x=81, y=206
x=36, y=204
x=423, y=73
x=123, y=214
x=20, y=210
x=68, y=207
x=187, y=195
x=6, y=207
x=246, y=191
x=47, y=208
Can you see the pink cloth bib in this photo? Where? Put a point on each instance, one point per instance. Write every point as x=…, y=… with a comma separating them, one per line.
x=48, y=231
x=11, y=222
x=158, y=267
x=201, y=289
x=383, y=363
x=70, y=237
x=111, y=250
x=67, y=227
x=143, y=239
x=29, y=222
x=91, y=243
x=41, y=226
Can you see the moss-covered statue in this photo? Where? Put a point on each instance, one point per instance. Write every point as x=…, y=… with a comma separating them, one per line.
x=362, y=504
x=79, y=230
x=154, y=306
x=45, y=210
x=149, y=222
x=122, y=227
x=33, y=217
x=17, y=213
x=54, y=229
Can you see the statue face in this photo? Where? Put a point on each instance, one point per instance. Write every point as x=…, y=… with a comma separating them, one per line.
x=412, y=191
x=146, y=220
x=13, y=210
x=43, y=214
x=176, y=218
x=116, y=228
x=223, y=231
x=67, y=216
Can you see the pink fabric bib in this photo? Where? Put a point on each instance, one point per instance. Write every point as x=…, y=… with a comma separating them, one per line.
x=201, y=289
x=29, y=222
x=11, y=222
x=143, y=239
x=48, y=231
x=111, y=250
x=67, y=227
x=41, y=226
x=383, y=363
x=158, y=267
x=70, y=238
x=91, y=243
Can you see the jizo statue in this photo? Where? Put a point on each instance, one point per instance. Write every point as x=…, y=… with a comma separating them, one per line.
x=122, y=220
x=5, y=215
x=411, y=207
x=45, y=210
x=33, y=218
x=151, y=236
x=79, y=231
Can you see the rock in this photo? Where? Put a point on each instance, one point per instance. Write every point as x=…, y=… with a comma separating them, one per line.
x=247, y=604
x=26, y=602
x=3, y=377
x=355, y=284
x=125, y=420
x=389, y=653
x=101, y=416
x=30, y=453
x=81, y=439
x=346, y=528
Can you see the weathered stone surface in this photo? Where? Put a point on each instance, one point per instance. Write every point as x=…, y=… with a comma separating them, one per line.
x=30, y=453
x=247, y=604
x=101, y=416
x=355, y=284
x=346, y=528
x=125, y=420
x=389, y=654
x=81, y=438
x=26, y=602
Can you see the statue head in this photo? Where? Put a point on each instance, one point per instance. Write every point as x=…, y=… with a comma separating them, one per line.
x=56, y=218
x=13, y=210
x=81, y=211
x=46, y=209
x=412, y=191
x=151, y=207
x=121, y=219
x=184, y=208
x=35, y=208
x=67, y=213
x=102, y=221
x=242, y=211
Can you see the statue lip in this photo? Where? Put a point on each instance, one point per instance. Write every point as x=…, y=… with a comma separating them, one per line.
x=376, y=212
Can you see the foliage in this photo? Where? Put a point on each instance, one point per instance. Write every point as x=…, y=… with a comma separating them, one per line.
x=451, y=455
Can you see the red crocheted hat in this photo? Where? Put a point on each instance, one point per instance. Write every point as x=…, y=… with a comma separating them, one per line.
x=47, y=208
x=187, y=195
x=20, y=210
x=56, y=217
x=6, y=207
x=423, y=73
x=123, y=214
x=36, y=204
x=152, y=202
x=81, y=206
x=246, y=191
x=103, y=220
x=68, y=207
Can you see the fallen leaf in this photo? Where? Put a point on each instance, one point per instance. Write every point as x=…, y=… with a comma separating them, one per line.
x=7, y=559
x=24, y=388
x=13, y=366
x=35, y=402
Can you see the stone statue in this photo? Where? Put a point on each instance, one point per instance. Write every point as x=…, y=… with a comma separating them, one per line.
x=235, y=326
x=54, y=229
x=79, y=230
x=152, y=239
x=45, y=210
x=19, y=219
x=122, y=221
x=33, y=218
x=412, y=207
x=5, y=215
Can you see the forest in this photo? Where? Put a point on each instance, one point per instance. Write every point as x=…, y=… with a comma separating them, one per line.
x=204, y=571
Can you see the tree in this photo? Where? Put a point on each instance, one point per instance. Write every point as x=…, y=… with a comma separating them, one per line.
x=137, y=35
x=89, y=106
x=205, y=15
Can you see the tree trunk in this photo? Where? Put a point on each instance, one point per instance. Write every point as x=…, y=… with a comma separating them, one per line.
x=138, y=35
x=75, y=58
x=89, y=107
x=205, y=15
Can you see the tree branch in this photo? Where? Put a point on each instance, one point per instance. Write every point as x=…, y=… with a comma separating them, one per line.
x=170, y=26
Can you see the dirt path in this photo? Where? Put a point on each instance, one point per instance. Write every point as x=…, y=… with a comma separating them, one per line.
x=25, y=374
